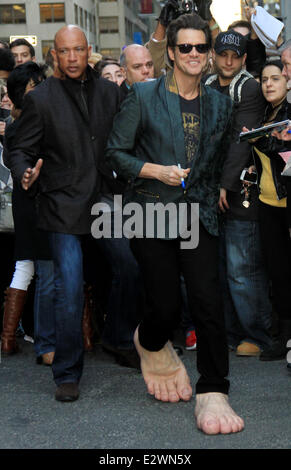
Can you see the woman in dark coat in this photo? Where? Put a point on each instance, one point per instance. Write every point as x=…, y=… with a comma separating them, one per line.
x=269, y=153
x=31, y=245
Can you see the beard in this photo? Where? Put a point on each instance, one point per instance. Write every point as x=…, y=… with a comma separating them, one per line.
x=229, y=76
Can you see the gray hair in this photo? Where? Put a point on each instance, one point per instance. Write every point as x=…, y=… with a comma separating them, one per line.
x=122, y=59
x=286, y=45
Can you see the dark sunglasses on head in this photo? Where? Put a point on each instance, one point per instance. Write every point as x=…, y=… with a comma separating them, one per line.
x=186, y=48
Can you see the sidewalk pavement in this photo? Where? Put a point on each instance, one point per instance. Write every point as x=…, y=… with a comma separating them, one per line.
x=115, y=412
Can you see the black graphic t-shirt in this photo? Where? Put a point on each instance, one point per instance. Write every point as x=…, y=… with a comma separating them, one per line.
x=190, y=110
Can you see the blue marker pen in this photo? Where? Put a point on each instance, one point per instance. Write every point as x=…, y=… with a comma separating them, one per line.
x=182, y=179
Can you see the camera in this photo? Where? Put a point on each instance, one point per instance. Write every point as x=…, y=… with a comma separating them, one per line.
x=187, y=6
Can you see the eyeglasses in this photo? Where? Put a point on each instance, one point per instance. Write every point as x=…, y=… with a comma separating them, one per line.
x=186, y=48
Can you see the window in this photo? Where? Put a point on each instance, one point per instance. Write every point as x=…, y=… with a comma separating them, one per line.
x=86, y=24
x=12, y=14
x=108, y=24
x=7, y=40
x=128, y=28
x=113, y=53
x=76, y=13
x=46, y=46
x=81, y=21
x=273, y=7
x=52, y=12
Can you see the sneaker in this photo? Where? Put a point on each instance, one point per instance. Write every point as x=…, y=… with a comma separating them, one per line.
x=28, y=338
x=191, y=341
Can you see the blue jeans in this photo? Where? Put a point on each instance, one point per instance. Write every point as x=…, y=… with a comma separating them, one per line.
x=124, y=308
x=68, y=305
x=44, y=314
x=247, y=307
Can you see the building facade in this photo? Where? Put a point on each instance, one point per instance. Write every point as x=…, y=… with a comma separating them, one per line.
x=44, y=19
x=108, y=24
x=119, y=24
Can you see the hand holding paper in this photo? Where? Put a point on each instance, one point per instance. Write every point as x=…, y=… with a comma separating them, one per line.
x=267, y=27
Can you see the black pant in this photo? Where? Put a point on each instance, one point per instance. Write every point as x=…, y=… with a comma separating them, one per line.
x=276, y=245
x=161, y=262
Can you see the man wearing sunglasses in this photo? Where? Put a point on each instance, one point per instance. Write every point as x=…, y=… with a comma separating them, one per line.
x=169, y=142
x=171, y=10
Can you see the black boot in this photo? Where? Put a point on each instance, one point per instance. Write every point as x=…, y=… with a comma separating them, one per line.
x=278, y=349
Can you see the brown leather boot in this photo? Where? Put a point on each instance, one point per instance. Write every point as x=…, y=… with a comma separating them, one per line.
x=87, y=320
x=13, y=307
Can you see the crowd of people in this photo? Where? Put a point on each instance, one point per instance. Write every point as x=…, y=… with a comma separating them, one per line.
x=161, y=125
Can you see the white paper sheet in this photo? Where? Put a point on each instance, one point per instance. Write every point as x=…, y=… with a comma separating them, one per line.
x=266, y=26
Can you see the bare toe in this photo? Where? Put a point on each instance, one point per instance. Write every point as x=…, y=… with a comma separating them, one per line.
x=185, y=392
x=172, y=392
x=210, y=426
x=214, y=414
x=164, y=392
x=164, y=373
x=157, y=391
x=150, y=387
x=226, y=425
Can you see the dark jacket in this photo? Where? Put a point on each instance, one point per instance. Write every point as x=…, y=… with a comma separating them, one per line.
x=247, y=112
x=149, y=128
x=256, y=55
x=4, y=116
x=124, y=90
x=271, y=147
x=30, y=243
x=67, y=123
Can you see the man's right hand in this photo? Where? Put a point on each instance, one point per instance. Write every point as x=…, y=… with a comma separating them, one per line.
x=167, y=174
x=172, y=175
x=31, y=174
x=169, y=12
x=223, y=204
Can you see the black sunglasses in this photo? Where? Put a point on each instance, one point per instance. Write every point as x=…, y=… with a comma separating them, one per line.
x=186, y=48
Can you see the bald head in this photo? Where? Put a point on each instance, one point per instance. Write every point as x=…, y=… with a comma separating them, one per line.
x=71, y=52
x=285, y=51
x=70, y=30
x=137, y=63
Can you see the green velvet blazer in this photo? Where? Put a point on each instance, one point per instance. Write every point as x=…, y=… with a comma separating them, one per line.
x=149, y=128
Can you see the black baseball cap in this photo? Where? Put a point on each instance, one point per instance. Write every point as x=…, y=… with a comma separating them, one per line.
x=231, y=40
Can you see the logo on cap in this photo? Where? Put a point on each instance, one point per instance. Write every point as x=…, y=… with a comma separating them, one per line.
x=231, y=39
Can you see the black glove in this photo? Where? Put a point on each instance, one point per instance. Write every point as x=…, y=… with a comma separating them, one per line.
x=169, y=12
x=203, y=9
